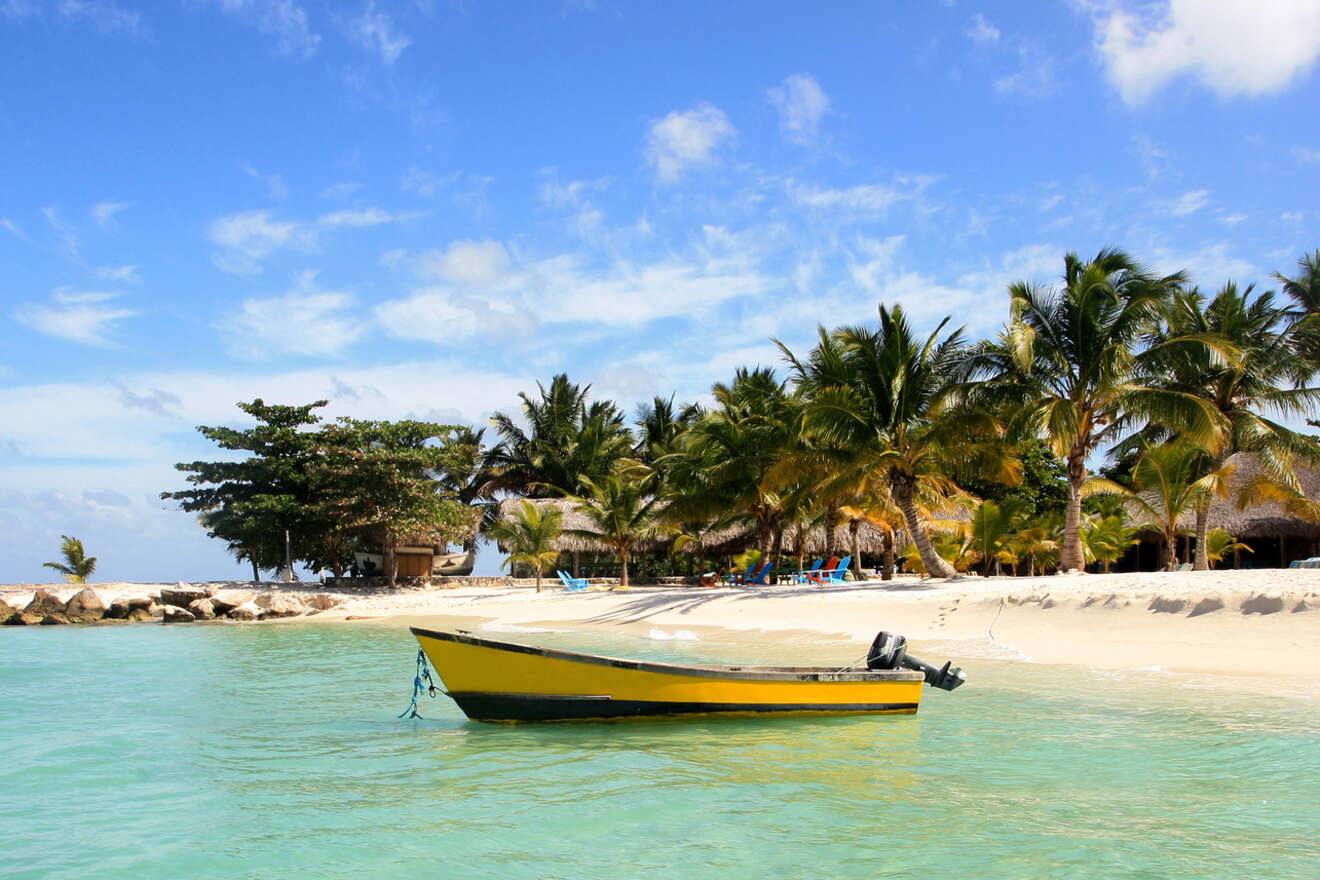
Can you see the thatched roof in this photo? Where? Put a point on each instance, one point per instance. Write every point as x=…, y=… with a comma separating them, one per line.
x=713, y=542
x=1266, y=520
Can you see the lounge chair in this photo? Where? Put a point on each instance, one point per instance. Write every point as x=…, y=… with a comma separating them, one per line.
x=1312, y=562
x=800, y=577
x=835, y=576
x=817, y=577
x=572, y=584
x=760, y=576
x=740, y=577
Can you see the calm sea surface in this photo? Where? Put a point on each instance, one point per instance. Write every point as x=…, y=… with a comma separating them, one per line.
x=274, y=751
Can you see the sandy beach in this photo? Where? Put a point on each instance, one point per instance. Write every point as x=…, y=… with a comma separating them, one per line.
x=1255, y=623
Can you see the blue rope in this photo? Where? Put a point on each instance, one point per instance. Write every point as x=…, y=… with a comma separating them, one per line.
x=430, y=688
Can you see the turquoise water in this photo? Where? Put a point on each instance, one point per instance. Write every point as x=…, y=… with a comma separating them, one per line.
x=274, y=751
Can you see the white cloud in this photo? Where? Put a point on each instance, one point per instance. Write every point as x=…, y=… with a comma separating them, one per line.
x=104, y=212
x=376, y=31
x=1235, y=48
x=1188, y=203
x=1209, y=266
x=425, y=183
x=801, y=103
x=13, y=228
x=1035, y=78
x=1153, y=158
x=686, y=140
x=120, y=274
x=981, y=31
x=358, y=218
x=304, y=321
x=466, y=262
x=1305, y=154
x=275, y=185
x=284, y=20
x=869, y=199
x=446, y=317
x=85, y=317
x=249, y=236
x=1232, y=219
x=105, y=15
x=340, y=190
x=67, y=234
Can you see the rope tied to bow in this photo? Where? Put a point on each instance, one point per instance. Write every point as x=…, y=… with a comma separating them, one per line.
x=418, y=688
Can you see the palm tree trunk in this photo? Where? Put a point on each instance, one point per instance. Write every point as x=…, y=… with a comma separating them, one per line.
x=391, y=560
x=830, y=513
x=1071, y=556
x=256, y=572
x=538, y=578
x=904, y=487
x=887, y=566
x=854, y=528
x=1171, y=548
x=623, y=571
x=777, y=552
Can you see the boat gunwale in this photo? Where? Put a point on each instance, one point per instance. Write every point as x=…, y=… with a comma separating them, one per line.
x=739, y=673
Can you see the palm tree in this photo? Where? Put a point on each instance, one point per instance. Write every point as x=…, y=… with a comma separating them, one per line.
x=530, y=536
x=1304, y=315
x=1170, y=479
x=725, y=471
x=1220, y=543
x=567, y=437
x=622, y=510
x=1066, y=368
x=1107, y=538
x=77, y=566
x=991, y=530
x=1265, y=375
x=882, y=405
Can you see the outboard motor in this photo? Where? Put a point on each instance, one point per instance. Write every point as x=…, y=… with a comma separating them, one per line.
x=889, y=651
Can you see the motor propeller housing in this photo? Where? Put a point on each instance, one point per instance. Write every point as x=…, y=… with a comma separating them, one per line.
x=889, y=651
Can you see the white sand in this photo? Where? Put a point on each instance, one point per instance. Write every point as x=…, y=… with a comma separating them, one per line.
x=1263, y=622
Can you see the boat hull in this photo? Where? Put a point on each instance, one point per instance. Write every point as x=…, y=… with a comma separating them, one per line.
x=501, y=682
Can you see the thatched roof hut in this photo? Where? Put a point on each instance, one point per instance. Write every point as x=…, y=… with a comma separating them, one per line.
x=713, y=542
x=1262, y=520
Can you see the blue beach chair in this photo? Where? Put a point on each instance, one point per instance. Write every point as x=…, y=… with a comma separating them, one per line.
x=740, y=577
x=760, y=576
x=801, y=577
x=836, y=575
x=572, y=584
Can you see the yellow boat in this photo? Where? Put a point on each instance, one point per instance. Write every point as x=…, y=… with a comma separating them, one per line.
x=498, y=681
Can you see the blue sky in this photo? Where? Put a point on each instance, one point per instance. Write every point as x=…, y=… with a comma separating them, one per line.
x=420, y=209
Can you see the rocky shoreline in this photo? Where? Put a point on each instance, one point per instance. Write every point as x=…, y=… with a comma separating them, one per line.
x=183, y=603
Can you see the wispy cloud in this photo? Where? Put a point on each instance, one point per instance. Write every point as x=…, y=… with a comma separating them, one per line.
x=1305, y=154
x=84, y=317
x=340, y=190
x=427, y=184
x=358, y=218
x=1035, y=77
x=13, y=228
x=275, y=185
x=161, y=403
x=283, y=20
x=67, y=234
x=247, y=237
x=376, y=31
x=690, y=139
x=104, y=15
x=1236, y=49
x=801, y=103
x=1154, y=159
x=979, y=30
x=466, y=262
x=304, y=321
x=104, y=212
x=119, y=274
x=1188, y=203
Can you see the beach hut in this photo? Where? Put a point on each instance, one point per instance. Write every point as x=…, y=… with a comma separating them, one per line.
x=1275, y=537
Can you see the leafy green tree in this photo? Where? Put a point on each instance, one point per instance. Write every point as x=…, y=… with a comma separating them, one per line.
x=1041, y=485
x=1107, y=538
x=723, y=473
x=886, y=409
x=380, y=478
x=252, y=503
x=77, y=566
x=1068, y=369
x=1264, y=376
x=991, y=530
x=621, y=509
x=568, y=437
x=1304, y=314
x=1220, y=543
x=1168, y=481
x=530, y=536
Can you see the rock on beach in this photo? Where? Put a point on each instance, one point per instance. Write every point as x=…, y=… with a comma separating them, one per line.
x=183, y=594
x=86, y=606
